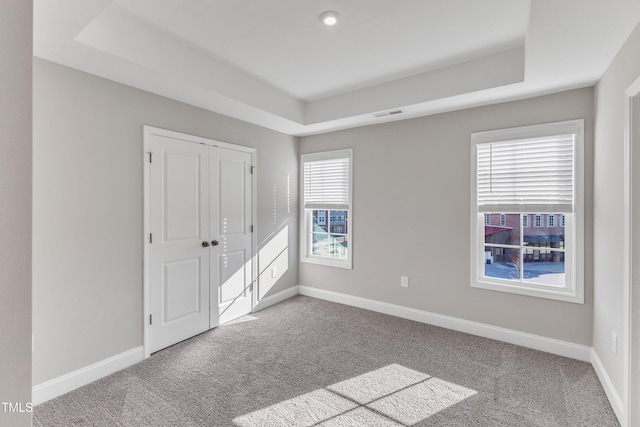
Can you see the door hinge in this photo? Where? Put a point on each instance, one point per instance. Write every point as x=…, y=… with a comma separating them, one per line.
x=151, y=319
x=251, y=229
x=252, y=168
x=150, y=237
x=150, y=157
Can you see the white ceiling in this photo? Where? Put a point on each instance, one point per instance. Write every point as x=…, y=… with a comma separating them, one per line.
x=274, y=64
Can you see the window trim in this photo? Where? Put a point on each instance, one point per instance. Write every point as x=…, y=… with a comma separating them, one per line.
x=305, y=214
x=574, y=235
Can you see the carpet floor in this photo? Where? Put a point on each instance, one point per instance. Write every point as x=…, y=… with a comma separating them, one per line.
x=308, y=362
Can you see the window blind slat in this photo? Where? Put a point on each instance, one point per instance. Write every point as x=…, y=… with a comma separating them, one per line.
x=526, y=175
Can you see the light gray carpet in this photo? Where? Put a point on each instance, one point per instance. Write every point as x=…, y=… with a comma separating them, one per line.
x=308, y=362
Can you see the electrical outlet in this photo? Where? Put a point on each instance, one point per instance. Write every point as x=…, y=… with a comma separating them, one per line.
x=614, y=342
x=404, y=281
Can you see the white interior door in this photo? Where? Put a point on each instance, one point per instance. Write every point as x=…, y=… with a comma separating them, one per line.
x=231, y=254
x=179, y=224
x=199, y=256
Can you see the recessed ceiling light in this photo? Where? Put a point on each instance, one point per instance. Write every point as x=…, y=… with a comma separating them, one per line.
x=329, y=18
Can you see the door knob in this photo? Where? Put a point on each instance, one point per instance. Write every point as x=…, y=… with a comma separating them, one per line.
x=205, y=244
x=214, y=243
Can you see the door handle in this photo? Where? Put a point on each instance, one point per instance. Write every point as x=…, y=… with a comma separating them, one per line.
x=205, y=244
x=214, y=243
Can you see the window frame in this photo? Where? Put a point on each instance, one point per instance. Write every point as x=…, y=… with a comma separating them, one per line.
x=306, y=214
x=573, y=291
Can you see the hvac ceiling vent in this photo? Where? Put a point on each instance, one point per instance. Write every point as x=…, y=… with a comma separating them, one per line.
x=387, y=113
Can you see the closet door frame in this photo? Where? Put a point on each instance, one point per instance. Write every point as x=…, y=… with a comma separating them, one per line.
x=148, y=132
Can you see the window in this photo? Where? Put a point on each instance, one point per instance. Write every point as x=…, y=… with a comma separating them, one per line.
x=503, y=220
x=537, y=221
x=326, y=208
x=322, y=218
x=487, y=219
x=535, y=170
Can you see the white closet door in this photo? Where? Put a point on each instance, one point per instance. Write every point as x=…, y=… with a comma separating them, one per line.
x=179, y=254
x=231, y=263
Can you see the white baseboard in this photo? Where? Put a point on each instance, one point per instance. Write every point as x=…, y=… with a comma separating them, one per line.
x=276, y=298
x=607, y=385
x=83, y=376
x=549, y=345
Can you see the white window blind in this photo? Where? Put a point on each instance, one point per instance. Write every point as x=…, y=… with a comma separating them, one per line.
x=326, y=183
x=531, y=175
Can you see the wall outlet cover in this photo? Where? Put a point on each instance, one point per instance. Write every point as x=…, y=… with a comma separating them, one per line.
x=404, y=281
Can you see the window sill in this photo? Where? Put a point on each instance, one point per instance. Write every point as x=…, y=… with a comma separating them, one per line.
x=327, y=262
x=520, y=289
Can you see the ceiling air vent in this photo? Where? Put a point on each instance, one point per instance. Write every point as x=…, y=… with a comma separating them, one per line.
x=387, y=113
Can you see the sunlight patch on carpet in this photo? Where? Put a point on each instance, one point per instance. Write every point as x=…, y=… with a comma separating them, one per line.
x=390, y=396
x=245, y=318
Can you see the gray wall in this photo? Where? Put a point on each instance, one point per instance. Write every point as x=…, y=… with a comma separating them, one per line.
x=87, y=201
x=412, y=217
x=16, y=46
x=609, y=204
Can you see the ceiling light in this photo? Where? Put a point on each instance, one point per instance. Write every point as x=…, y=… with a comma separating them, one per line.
x=329, y=17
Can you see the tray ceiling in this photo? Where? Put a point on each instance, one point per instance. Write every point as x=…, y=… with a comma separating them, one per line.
x=274, y=64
